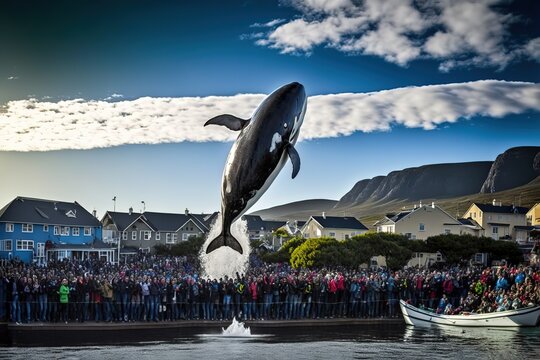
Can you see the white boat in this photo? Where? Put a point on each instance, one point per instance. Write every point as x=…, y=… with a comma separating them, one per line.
x=527, y=316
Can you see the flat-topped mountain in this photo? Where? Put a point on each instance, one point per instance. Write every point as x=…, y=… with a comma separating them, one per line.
x=428, y=181
x=513, y=177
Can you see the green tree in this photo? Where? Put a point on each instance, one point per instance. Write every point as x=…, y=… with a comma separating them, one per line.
x=317, y=252
x=284, y=253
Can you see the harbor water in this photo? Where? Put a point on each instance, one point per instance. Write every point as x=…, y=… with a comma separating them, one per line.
x=343, y=342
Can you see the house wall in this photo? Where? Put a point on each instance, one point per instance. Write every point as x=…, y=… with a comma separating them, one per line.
x=533, y=215
x=138, y=228
x=424, y=259
x=182, y=234
x=314, y=230
x=496, y=231
x=432, y=219
x=40, y=234
x=389, y=228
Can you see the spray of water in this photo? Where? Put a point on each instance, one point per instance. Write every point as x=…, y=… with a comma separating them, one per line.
x=226, y=261
x=236, y=329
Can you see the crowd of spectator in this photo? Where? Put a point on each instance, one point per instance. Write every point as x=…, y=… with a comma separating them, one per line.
x=152, y=288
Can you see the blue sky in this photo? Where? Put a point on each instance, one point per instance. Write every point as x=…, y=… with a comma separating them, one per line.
x=149, y=57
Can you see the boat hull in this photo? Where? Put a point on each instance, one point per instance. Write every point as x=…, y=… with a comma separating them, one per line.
x=528, y=316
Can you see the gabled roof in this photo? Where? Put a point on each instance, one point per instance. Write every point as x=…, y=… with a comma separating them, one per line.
x=51, y=212
x=503, y=209
x=256, y=223
x=162, y=221
x=336, y=222
x=400, y=215
x=122, y=220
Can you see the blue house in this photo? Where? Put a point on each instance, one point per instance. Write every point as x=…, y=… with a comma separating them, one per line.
x=35, y=230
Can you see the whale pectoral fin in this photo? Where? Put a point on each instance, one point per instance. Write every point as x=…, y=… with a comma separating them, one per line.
x=230, y=121
x=295, y=160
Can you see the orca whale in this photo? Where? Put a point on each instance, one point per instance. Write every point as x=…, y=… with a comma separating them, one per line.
x=258, y=154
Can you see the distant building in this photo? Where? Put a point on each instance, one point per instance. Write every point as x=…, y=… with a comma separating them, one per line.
x=293, y=228
x=143, y=231
x=36, y=230
x=533, y=215
x=259, y=229
x=499, y=221
x=424, y=221
x=339, y=228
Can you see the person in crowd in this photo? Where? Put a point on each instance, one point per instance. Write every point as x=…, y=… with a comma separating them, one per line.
x=154, y=288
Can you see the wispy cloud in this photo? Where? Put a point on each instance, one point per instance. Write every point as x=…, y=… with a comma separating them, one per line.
x=271, y=23
x=32, y=125
x=453, y=32
x=12, y=77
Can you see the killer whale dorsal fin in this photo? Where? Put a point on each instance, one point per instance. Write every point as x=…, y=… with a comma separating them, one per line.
x=230, y=121
x=295, y=159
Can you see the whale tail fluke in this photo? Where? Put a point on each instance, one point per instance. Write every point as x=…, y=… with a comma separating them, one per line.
x=224, y=240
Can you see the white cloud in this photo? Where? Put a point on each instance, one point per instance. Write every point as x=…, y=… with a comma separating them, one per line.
x=455, y=32
x=12, y=77
x=32, y=125
x=270, y=23
x=533, y=49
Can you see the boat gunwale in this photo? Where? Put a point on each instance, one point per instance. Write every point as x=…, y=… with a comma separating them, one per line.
x=471, y=316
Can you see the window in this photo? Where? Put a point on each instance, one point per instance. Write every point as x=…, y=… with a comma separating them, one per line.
x=174, y=237
x=6, y=245
x=332, y=234
x=408, y=235
x=9, y=227
x=446, y=231
x=25, y=245
x=57, y=230
x=46, y=228
x=64, y=231
x=27, y=228
x=421, y=227
x=495, y=230
x=147, y=235
x=158, y=236
x=124, y=235
x=40, y=253
x=75, y=231
x=87, y=231
x=168, y=238
x=133, y=235
x=186, y=236
x=346, y=236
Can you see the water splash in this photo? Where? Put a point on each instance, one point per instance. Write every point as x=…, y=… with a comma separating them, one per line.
x=236, y=329
x=226, y=261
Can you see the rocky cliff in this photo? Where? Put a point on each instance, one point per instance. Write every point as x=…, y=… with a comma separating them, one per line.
x=515, y=167
x=424, y=182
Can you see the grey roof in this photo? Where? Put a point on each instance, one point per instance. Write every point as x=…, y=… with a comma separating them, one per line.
x=528, y=228
x=162, y=221
x=256, y=223
x=122, y=220
x=51, y=212
x=400, y=215
x=503, y=209
x=335, y=222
